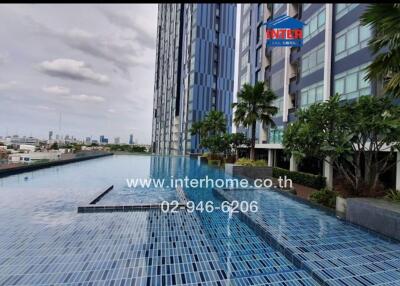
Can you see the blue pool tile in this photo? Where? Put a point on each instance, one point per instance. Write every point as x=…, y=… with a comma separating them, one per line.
x=335, y=252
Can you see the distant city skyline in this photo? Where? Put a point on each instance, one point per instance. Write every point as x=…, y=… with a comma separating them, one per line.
x=90, y=67
x=55, y=136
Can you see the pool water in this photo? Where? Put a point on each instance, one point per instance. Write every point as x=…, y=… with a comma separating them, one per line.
x=43, y=240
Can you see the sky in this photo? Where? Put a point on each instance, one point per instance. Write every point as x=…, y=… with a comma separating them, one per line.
x=82, y=70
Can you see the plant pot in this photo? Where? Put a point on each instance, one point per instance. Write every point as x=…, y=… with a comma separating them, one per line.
x=203, y=159
x=341, y=206
x=214, y=162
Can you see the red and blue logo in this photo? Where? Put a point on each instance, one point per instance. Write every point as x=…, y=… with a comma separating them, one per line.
x=284, y=31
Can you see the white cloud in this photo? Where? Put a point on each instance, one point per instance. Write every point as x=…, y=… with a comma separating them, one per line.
x=90, y=98
x=111, y=110
x=72, y=69
x=144, y=34
x=44, y=107
x=55, y=89
x=8, y=85
x=2, y=59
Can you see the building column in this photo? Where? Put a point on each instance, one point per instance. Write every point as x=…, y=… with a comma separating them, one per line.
x=293, y=164
x=270, y=157
x=328, y=173
x=398, y=171
x=328, y=50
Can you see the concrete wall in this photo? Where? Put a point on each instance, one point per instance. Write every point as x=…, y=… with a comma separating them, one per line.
x=376, y=214
x=32, y=167
x=248, y=172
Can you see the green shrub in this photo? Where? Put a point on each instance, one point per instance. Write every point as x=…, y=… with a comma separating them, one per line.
x=393, y=195
x=260, y=163
x=251, y=163
x=214, y=162
x=310, y=180
x=324, y=197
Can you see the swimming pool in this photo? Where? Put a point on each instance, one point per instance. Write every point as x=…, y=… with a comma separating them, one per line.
x=43, y=240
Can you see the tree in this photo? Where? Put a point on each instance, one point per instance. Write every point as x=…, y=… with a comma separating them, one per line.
x=384, y=20
x=54, y=146
x=215, y=144
x=236, y=140
x=213, y=124
x=352, y=135
x=254, y=104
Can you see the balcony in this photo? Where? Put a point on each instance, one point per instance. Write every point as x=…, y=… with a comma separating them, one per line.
x=294, y=54
x=293, y=70
x=295, y=10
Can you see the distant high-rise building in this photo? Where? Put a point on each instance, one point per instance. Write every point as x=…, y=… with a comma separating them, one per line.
x=88, y=140
x=194, y=72
x=50, y=135
x=131, y=139
x=103, y=139
x=116, y=140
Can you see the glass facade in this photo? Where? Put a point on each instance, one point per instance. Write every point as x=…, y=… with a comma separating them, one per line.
x=276, y=135
x=194, y=73
x=351, y=40
x=314, y=25
x=343, y=8
x=279, y=104
x=313, y=60
x=312, y=94
x=302, y=75
x=351, y=84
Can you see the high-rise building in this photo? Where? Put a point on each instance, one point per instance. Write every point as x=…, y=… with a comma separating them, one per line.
x=88, y=140
x=131, y=142
x=332, y=60
x=50, y=135
x=194, y=71
x=103, y=139
x=116, y=140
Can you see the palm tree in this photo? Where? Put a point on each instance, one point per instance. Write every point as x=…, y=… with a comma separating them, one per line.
x=215, y=122
x=254, y=104
x=384, y=20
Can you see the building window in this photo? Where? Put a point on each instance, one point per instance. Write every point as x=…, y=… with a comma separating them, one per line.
x=245, y=8
x=314, y=25
x=351, y=84
x=351, y=39
x=344, y=8
x=312, y=94
x=245, y=41
x=259, y=33
x=244, y=60
x=279, y=104
x=245, y=78
x=246, y=22
x=260, y=12
x=306, y=6
x=278, y=54
x=216, y=51
x=258, y=57
x=313, y=60
x=259, y=75
x=276, y=135
x=277, y=6
x=277, y=80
